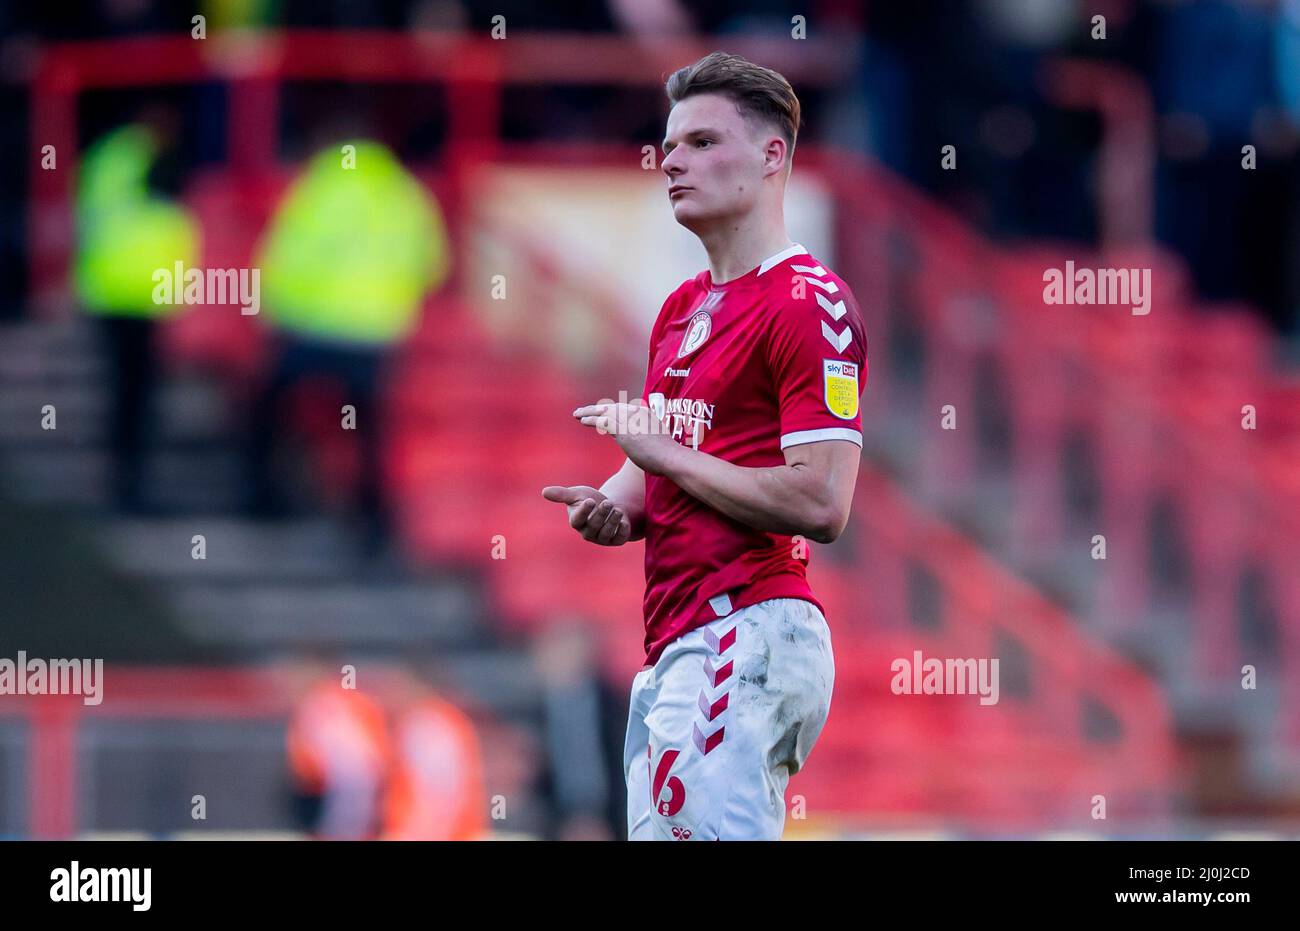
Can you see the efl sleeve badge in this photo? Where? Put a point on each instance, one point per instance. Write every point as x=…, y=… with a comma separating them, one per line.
x=841, y=381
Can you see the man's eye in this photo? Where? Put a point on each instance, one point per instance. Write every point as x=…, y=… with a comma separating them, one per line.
x=703, y=142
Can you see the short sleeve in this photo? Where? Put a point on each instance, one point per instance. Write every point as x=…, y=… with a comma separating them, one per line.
x=817, y=358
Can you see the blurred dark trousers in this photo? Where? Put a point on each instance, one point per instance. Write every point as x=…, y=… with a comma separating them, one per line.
x=129, y=342
x=357, y=368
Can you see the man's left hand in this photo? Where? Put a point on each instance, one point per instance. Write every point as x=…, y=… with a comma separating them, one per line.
x=643, y=436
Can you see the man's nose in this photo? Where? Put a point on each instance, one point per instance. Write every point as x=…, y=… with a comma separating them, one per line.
x=670, y=165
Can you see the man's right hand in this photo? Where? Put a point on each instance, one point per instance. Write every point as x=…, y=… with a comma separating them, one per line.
x=592, y=514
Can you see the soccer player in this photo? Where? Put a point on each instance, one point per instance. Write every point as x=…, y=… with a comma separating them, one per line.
x=747, y=449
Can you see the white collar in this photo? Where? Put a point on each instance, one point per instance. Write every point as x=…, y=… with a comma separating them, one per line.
x=775, y=260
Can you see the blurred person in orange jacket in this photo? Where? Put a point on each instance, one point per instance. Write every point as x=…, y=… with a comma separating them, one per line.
x=436, y=791
x=340, y=756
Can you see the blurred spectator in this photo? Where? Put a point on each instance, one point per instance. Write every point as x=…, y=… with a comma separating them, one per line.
x=349, y=257
x=124, y=235
x=1212, y=76
x=1286, y=56
x=436, y=791
x=339, y=756
x=582, y=729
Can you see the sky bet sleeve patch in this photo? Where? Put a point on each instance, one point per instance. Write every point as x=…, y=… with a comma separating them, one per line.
x=841, y=380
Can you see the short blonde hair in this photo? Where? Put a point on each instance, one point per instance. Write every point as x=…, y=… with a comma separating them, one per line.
x=759, y=93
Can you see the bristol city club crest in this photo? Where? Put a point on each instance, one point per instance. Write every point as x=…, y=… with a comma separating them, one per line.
x=701, y=325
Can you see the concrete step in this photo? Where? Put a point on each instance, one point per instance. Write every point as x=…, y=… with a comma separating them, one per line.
x=236, y=548
x=73, y=337
x=199, y=475
x=185, y=412
x=503, y=681
x=284, y=615
x=40, y=367
x=80, y=414
x=66, y=476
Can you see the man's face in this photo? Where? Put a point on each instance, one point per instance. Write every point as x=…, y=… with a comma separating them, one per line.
x=714, y=160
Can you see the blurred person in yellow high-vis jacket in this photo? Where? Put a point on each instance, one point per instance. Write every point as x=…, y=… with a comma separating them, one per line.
x=350, y=254
x=126, y=234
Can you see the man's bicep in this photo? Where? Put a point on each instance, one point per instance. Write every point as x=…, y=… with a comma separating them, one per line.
x=833, y=469
x=830, y=459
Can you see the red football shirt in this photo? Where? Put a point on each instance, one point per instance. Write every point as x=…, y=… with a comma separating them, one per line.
x=742, y=370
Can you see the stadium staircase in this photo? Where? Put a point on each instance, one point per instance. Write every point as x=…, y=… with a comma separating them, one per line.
x=265, y=591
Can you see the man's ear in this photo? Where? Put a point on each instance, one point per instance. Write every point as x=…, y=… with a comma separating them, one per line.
x=776, y=156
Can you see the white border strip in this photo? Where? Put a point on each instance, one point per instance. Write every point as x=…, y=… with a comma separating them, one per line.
x=775, y=260
x=814, y=436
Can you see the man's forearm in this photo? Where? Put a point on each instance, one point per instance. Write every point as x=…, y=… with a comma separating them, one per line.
x=626, y=488
x=780, y=499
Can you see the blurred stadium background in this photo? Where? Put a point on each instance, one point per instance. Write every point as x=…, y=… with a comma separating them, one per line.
x=491, y=692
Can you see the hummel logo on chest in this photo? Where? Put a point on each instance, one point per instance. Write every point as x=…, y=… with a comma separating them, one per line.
x=671, y=372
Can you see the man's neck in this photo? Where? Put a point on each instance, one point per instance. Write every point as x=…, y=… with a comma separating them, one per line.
x=738, y=247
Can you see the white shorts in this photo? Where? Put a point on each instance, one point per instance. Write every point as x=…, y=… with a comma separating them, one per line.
x=717, y=727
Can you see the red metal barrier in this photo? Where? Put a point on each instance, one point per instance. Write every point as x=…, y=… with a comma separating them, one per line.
x=141, y=693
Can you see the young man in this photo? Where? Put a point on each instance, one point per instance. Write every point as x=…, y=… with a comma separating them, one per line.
x=747, y=449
